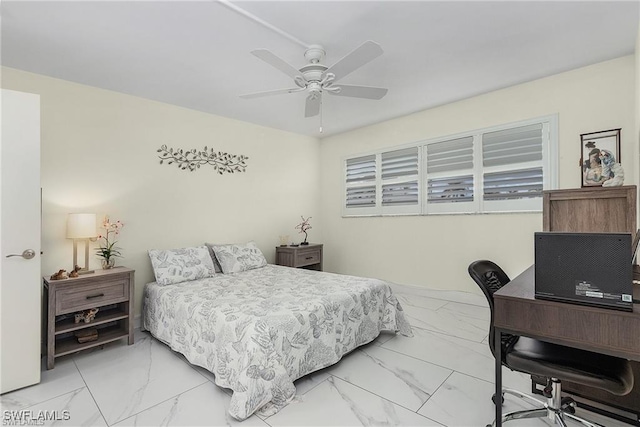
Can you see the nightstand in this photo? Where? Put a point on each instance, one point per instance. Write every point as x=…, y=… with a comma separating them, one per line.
x=307, y=256
x=111, y=291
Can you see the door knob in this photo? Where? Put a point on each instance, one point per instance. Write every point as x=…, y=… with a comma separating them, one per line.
x=27, y=254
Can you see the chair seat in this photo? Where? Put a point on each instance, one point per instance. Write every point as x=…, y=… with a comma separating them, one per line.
x=570, y=364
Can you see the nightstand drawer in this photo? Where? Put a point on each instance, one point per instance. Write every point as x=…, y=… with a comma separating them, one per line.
x=305, y=256
x=309, y=257
x=83, y=297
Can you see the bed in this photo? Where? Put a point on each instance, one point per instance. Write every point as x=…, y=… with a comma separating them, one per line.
x=259, y=330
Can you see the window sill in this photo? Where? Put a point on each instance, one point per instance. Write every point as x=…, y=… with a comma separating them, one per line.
x=444, y=213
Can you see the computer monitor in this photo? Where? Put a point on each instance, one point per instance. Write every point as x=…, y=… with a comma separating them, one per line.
x=584, y=268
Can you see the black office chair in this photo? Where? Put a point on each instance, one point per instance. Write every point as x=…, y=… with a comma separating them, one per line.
x=554, y=362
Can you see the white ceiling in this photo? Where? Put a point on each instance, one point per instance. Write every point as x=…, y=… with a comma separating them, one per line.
x=196, y=54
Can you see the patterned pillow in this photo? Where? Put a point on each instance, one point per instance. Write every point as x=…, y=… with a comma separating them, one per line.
x=237, y=258
x=180, y=265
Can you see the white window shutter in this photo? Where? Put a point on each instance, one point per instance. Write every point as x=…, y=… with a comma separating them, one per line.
x=402, y=194
x=450, y=176
x=511, y=146
x=450, y=156
x=400, y=163
x=361, y=196
x=512, y=177
x=450, y=190
x=361, y=169
x=400, y=186
x=513, y=184
x=360, y=186
x=500, y=169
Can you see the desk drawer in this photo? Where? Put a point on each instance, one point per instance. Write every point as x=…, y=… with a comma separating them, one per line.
x=87, y=296
x=311, y=256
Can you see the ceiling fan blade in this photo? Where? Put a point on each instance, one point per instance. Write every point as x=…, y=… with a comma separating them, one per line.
x=312, y=107
x=361, y=91
x=276, y=62
x=366, y=52
x=270, y=92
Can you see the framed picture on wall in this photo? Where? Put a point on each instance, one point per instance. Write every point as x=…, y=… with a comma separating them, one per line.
x=595, y=146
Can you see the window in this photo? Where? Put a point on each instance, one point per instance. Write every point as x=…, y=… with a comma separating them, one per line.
x=501, y=169
x=400, y=190
x=512, y=169
x=450, y=176
x=361, y=184
x=383, y=183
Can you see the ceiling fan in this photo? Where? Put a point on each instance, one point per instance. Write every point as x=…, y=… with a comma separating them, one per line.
x=316, y=78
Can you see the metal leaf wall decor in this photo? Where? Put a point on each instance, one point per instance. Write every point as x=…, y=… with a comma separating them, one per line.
x=193, y=159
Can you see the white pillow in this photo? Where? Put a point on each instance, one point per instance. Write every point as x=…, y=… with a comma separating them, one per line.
x=237, y=258
x=173, y=266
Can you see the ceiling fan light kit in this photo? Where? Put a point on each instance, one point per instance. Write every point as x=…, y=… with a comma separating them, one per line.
x=315, y=78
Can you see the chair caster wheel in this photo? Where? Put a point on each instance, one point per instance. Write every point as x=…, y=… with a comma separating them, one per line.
x=568, y=405
x=493, y=399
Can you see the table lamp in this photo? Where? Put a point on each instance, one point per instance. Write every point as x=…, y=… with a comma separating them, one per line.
x=81, y=226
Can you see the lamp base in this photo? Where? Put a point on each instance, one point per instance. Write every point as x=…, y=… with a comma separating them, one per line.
x=85, y=269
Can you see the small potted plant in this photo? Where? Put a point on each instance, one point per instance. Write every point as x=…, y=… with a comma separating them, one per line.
x=107, y=249
x=303, y=227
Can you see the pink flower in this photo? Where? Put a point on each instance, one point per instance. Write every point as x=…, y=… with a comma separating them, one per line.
x=107, y=248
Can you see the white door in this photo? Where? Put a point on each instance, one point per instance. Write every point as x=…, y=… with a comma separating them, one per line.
x=20, y=281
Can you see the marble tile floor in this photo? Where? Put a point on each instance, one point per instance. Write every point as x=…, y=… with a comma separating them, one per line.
x=443, y=376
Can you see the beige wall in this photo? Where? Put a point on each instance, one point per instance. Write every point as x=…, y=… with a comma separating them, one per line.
x=99, y=155
x=435, y=251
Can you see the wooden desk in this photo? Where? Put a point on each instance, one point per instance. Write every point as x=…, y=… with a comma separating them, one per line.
x=606, y=331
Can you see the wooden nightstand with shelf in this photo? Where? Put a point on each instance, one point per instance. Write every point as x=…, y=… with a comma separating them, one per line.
x=303, y=256
x=111, y=291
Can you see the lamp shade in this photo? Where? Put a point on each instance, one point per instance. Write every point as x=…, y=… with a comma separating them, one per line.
x=81, y=226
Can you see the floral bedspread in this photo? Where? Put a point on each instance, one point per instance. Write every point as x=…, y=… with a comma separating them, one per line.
x=260, y=330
